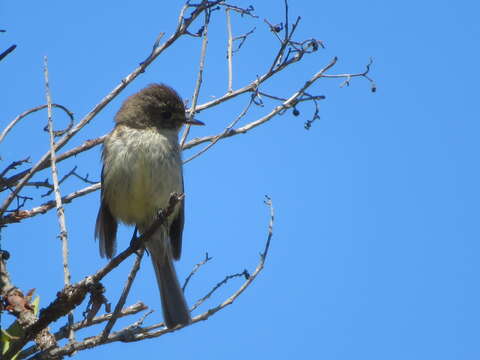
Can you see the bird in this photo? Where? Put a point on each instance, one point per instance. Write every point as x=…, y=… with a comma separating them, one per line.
x=142, y=167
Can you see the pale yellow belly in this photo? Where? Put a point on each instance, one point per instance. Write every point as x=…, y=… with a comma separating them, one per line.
x=141, y=169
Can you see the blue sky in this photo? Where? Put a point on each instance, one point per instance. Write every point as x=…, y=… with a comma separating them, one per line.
x=375, y=245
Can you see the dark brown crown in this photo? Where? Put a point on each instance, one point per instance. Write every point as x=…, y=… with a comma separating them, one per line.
x=157, y=105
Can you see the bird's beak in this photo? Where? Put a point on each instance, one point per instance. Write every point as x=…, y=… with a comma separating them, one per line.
x=194, y=122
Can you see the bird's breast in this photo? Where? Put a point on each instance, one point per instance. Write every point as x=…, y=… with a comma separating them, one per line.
x=142, y=167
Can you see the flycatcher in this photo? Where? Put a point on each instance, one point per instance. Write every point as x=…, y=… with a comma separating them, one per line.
x=142, y=166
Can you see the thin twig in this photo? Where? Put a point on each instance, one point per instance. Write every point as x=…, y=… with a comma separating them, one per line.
x=198, y=84
x=28, y=112
x=44, y=183
x=287, y=37
x=195, y=269
x=229, y=51
x=223, y=134
x=58, y=197
x=227, y=278
x=42, y=209
x=66, y=155
x=72, y=172
x=21, y=201
x=123, y=297
x=242, y=11
x=6, y=52
x=363, y=74
x=305, y=98
x=242, y=39
x=13, y=165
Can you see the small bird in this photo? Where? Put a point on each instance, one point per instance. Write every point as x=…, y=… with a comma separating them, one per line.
x=142, y=167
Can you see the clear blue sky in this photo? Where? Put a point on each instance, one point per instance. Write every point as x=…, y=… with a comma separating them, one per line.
x=375, y=249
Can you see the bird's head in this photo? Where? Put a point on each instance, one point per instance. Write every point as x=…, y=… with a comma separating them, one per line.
x=157, y=105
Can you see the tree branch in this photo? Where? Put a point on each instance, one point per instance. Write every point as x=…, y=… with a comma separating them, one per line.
x=58, y=197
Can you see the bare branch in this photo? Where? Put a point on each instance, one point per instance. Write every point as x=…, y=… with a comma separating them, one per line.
x=242, y=11
x=12, y=166
x=58, y=197
x=348, y=77
x=62, y=333
x=21, y=201
x=195, y=269
x=42, y=209
x=229, y=51
x=242, y=39
x=316, y=116
x=227, y=278
x=290, y=102
x=223, y=134
x=196, y=92
x=6, y=52
x=123, y=297
x=28, y=112
x=74, y=173
x=87, y=145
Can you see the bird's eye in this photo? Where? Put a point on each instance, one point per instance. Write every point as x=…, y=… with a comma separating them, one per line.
x=166, y=114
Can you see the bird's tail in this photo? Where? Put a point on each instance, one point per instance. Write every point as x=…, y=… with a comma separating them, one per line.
x=174, y=306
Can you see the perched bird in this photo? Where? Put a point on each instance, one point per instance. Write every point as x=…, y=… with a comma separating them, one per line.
x=142, y=166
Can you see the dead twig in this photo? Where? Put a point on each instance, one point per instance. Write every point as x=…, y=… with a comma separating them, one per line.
x=6, y=52
x=198, y=84
x=30, y=111
x=123, y=296
x=20, y=215
x=58, y=198
x=195, y=269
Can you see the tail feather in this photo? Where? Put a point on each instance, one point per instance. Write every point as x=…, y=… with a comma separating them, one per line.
x=106, y=231
x=174, y=305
